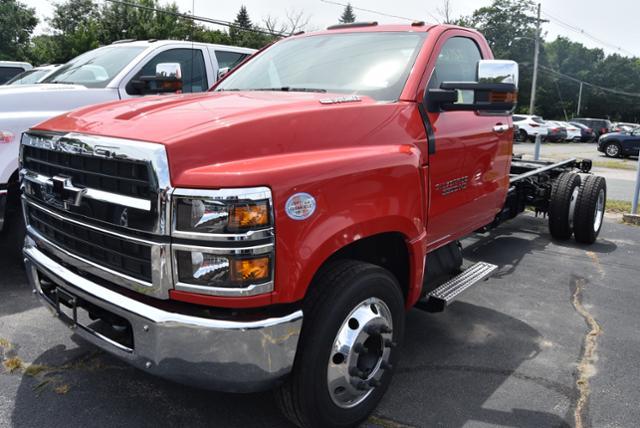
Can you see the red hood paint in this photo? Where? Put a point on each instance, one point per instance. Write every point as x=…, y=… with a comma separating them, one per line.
x=223, y=131
x=167, y=119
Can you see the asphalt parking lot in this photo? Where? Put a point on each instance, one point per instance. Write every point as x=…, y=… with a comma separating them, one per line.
x=620, y=173
x=550, y=341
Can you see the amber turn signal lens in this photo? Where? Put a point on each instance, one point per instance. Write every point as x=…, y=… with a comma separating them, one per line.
x=250, y=215
x=503, y=97
x=251, y=269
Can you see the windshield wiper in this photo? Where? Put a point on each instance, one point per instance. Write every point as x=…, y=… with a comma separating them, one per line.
x=281, y=89
x=60, y=82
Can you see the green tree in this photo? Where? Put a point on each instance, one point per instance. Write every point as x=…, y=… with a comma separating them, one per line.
x=150, y=21
x=76, y=29
x=348, y=15
x=17, y=22
x=243, y=32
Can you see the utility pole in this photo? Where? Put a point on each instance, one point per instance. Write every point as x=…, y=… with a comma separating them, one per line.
x=579, y=100
x=534, y=81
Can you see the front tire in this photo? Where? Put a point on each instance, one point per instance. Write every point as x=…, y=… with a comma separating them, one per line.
x=590, y=207
x=353, y=318
x=564, y=196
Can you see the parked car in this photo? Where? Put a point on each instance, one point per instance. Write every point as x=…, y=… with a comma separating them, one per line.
x=9, y=69
x=572, y=133
x=35, y=75
x=529, y=127
x=118, y=71
x=586, y=133
x=599, y=126
x=620, y=144
x=624, y=127
x=274, y=232
x=555, y=132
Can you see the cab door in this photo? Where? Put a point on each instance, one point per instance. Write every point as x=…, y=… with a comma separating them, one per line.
x=470, y=152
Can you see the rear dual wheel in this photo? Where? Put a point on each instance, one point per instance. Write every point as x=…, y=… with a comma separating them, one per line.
x=353, y=318
x=577, y=207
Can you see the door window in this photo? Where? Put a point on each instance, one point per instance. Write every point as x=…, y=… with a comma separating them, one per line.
x=229, y=59
x=194, y=72
x=457, y=62
x=7, y=73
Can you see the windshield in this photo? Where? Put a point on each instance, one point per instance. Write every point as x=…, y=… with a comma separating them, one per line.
x=372, y=64
x=27, y=78
x=96, y=68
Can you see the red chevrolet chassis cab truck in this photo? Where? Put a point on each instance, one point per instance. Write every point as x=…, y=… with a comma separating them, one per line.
x=272, y=232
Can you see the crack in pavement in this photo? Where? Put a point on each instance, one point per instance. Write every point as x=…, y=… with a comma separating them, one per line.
x=586, y=365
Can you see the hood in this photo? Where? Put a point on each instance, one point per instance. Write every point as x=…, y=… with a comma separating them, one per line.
x=226, y=130
x=169, y=119
x=52, y=97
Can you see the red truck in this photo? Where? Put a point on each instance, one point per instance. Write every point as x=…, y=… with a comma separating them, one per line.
x=273, y=232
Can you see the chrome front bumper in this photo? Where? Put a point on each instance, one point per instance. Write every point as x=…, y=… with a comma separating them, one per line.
x=213, y=354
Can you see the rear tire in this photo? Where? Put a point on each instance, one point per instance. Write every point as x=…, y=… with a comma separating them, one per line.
x=358, y=297
x=590, y=207
x=564, y=195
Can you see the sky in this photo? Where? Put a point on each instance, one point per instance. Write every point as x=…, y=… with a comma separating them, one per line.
x=612, y=25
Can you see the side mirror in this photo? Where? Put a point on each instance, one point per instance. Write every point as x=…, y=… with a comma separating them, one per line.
x=168, y=79
x=495, y=90
x=223, y=71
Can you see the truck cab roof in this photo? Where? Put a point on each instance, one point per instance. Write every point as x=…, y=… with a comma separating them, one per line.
x=152, y=43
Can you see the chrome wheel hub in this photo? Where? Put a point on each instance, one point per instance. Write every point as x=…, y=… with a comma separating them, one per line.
x=612, y=150
x=360, y=353
x=597, y=220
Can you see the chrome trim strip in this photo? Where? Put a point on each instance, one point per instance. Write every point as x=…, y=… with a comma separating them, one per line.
x=232, y=251
x=32, y=203
x=252, y=290
x=252, y=235
x=89, y=193
x=227, y=194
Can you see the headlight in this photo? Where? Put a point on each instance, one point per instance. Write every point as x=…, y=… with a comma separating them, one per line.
x=235, y=252
x=211, y=270
x=229, y=211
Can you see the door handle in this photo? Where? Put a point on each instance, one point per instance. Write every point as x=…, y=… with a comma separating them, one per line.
x=500, y=128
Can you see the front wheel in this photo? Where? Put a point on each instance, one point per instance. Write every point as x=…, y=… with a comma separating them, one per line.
x=353, y=320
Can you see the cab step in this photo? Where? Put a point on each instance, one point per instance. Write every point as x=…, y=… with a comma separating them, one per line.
x=438, y=299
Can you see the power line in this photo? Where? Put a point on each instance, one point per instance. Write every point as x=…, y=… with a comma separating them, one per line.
x=201, y=18
x=581, y=31
x=375, y=11
x=593, y=85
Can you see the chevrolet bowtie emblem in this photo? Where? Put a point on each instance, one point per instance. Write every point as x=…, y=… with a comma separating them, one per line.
x=62, y=192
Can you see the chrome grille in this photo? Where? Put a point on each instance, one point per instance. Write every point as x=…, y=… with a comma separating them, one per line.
x=130, y=258
x=100, y=205
x=121, y=176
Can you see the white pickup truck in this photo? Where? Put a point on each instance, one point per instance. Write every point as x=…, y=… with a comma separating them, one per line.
x=122, y=70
